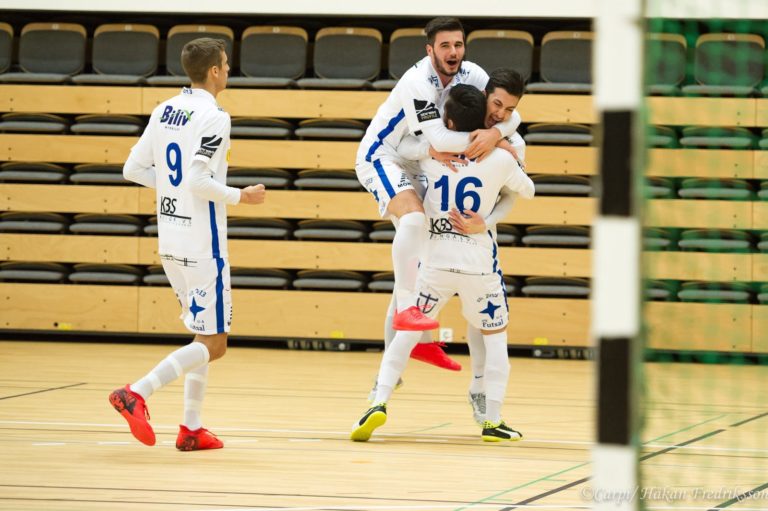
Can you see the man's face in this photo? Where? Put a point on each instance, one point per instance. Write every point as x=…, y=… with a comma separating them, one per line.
x=223, y=71
x=447, y=53
x=499, y=106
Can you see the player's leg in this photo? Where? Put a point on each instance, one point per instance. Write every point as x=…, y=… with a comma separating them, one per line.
x=395, y=357
x=388, y=182
x=218, y=317
x=484, y=305
x=477, y=355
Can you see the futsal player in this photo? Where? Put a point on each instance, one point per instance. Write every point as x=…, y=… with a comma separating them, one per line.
x=183, y=154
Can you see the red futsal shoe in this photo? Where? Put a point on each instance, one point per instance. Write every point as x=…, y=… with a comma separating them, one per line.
x=133, y=408
x=412, y=319
x=433, y=353
x=197, y=440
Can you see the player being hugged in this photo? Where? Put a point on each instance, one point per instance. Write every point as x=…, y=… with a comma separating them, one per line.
x=183, y=154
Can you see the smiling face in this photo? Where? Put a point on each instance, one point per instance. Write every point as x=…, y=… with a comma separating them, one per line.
x=447, y=53
x=499, y=106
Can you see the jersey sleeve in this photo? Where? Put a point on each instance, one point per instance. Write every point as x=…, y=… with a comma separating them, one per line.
x=212, y=140
x=142, y=153
x=419, y=103
x=518, y=181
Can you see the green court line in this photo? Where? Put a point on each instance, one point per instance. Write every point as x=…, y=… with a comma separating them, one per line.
x=426, y=429
x=523, y=485
x=685, y=429
x=548, y=477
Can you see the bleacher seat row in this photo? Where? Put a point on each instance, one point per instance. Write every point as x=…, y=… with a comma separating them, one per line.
x=275, y=56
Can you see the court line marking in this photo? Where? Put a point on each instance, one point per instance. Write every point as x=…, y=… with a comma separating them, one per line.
x=526, y=442
x=559, y=473
x=43, y=390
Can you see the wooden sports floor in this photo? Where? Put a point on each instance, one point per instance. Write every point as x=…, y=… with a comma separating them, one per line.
x=285, y=417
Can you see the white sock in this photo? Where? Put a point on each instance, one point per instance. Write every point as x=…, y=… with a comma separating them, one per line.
x=389, y=332
x=476, y=346
x=496, y=374
x=393, y=363
x=407, y=247
x=184, y=359
x=195, y=383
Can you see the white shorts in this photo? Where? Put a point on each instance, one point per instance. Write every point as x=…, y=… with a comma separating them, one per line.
x=204, y=292
x=483, y=297
x=386, y=177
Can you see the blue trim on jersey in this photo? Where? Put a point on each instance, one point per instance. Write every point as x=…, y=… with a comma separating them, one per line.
x=214, y=231
x=497, y=270
x=383, y=177
x=495, y=254
x=216, y=253
x=389, y=128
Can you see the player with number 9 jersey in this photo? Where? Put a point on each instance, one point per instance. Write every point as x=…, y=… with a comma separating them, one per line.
x=185, y=128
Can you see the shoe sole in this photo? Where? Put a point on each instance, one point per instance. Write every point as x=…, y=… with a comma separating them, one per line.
x=140, y=430
x=364, y=431
x=414, y=328
x=488, y=438
x=182, y=448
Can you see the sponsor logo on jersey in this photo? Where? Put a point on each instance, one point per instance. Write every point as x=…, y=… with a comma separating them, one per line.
x=440, y=226
x=167, y=205
x=174, y=117
x=167, y=209
x=425, y=110
x=434, y=81
x=208, y=146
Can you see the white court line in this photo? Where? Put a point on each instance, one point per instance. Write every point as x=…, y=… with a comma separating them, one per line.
x=113, y=443
x=48, y=444
x=429, y=438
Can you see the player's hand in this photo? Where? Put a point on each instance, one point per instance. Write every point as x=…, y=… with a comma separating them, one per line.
x=507, y=146
x=253, y=194
x=482, y=143
x=448, y=159
x=467, y=223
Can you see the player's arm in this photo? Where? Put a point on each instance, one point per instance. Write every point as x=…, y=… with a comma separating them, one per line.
x=210, y=150
x=485, y=140
x=470, y=222
x=419, y=106
x=140, y=165
x=418, y=148
x=520, y=183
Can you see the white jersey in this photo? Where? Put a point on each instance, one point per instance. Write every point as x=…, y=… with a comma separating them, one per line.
x=475, y=186
x=187, y=127
x=417, y=99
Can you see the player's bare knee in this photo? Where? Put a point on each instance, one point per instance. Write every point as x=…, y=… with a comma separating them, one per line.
x=405, y=202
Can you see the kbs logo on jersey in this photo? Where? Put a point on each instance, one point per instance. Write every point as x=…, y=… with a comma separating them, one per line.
x=167, y=205
x=425, y=110
x=168, y=213
x=440, y=226
x=173, y=117
x=208, y=146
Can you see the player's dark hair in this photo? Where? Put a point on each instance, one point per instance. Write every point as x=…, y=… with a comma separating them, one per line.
x=442, y=24
x=465, y=107
x=199, y=55
x=507, y=79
